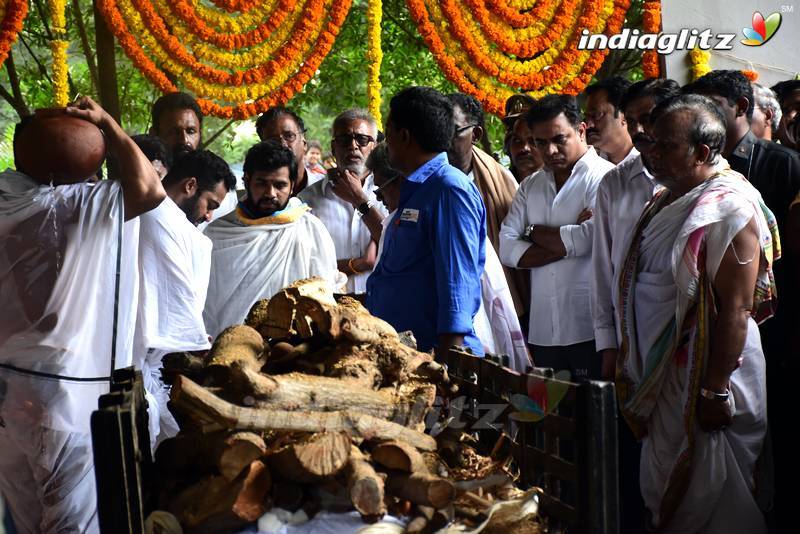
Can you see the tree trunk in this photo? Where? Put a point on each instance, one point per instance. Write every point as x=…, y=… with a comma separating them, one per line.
x=106, y=67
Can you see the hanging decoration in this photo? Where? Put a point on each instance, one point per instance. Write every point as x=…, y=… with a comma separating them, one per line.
x=58, y=47
x=12, y=15
x=374, y=57
x=492, y=49
x=651, y=23
x=240, y=57
x=700, y=63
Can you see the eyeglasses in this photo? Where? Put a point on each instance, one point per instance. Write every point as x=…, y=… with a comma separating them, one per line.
x=463, y=128
x=362, y=140
x=593, y=116
x=288, y=136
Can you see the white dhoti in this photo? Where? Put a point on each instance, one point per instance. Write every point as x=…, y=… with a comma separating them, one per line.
x=691, y=480
x=254, y=259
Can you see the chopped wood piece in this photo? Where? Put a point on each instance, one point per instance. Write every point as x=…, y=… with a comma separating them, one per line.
x=239, y=346
x=298, y=391
x=399, y=456
x=257, y=315
x=487, y=483
x=238, y=451
x=312, y=457
x=216, y=504
x=366, y=487
x=421, y=488
x=194, y=401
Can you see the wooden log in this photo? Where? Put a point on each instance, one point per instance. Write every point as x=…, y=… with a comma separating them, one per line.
x=238, y=451
x=299, y=391
x=312, y=457
x=282, y=318
x=257, y=316
x=487, y=483
x=365, y=487
x=216, y=504
x=194, y=401
x=399, y=456
x=421, y=488
x=239, y=346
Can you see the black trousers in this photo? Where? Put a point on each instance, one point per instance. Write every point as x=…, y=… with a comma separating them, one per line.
x=580, y=359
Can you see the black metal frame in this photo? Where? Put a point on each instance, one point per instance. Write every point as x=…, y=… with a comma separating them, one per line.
x=122, y=461
x=571, y=454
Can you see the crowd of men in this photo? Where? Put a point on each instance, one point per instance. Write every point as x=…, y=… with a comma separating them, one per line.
x=636, y=241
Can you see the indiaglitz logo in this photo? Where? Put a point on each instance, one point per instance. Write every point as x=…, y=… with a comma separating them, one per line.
x=762, y=30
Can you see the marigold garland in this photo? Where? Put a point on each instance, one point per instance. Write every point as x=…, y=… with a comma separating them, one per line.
x=13, y=16
x=494, y=48
x=58, y=47
x=651, y=23
x=700, y=63
x=374, y=57
x=751, y=75
x=241, y=57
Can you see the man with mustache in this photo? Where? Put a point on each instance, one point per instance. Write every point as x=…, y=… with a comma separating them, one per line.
x=346, y=195
x=518, y=142
x=174, y=265
x=548, y=230
x=284, y=126
x=606, y=128
x=621, y=196
x=268, y=242
x=178, y=121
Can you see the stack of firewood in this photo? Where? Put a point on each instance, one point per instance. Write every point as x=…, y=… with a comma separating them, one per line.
x=312, y=396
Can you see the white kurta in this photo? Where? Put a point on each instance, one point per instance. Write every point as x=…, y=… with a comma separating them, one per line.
x=58, y=259
x=252, y=262
x=560, y=313
x=350, y=235
x=174, y=266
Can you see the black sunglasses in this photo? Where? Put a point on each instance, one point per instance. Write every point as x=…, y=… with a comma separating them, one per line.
x=362, y=140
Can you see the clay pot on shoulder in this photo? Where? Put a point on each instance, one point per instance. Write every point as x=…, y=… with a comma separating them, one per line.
x=57, y=148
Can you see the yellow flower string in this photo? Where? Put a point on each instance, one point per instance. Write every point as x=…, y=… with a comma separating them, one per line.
x=374, y=57
x=700, y=63
x=58, y=46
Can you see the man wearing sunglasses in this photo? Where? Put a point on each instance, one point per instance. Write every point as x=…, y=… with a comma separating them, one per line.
x=345, y=196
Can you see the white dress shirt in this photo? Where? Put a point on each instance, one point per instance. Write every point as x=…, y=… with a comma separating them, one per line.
x=350, y=235
x=621, y=197
x=560, y=313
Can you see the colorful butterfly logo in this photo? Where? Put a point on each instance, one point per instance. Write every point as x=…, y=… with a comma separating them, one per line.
x=542, y=398
x=762, y=30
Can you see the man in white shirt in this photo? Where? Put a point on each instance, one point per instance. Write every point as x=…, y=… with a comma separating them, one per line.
x=606, y=127
x=268, y=242
x=621, y=197
x=68, y=288
x=174, y=265
x=548, y=231
x=354, y=132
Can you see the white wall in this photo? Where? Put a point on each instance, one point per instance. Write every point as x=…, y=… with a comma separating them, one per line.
x=778, y=59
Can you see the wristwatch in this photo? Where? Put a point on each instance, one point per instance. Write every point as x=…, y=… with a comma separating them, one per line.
x=364, y=207
x=713, y=395
x=528, y=233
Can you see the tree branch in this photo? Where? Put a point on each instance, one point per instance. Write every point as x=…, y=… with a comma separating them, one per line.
x=218, y=133
x=42, y=69
x=21, y=107
x=87, y=49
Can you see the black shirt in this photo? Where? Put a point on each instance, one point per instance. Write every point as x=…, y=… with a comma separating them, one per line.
x=772, y=169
